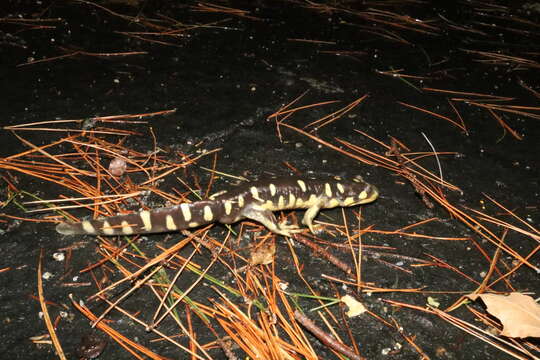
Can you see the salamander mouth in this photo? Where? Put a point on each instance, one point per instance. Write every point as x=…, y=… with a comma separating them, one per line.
x=371, y=192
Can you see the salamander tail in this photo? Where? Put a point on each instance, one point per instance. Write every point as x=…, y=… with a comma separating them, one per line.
x=66, y=228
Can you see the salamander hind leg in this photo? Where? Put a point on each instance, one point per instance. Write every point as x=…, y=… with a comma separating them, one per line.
x=268, y=219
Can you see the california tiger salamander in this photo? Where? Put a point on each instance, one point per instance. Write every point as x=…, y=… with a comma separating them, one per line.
x=251, y=200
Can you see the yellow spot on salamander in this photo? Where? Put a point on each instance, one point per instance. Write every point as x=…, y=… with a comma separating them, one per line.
x=240, y=201
x=255, y=193
x=340, y=188
x=272, y=189
x=362, y=195
x=348, y=201
x=313, y=200
x=269, y=205
x=193, y=224
x=207, y=213
x=126, y=229
x=228, y=207
x=281, y=202
x=87, y=227
x=107, y=229
x=328, y=190
x=299, y=203
x=292, y=200
x=169, y=223
x=302, y=185
x=333, y=203
x=145, y=217
x=186, y=213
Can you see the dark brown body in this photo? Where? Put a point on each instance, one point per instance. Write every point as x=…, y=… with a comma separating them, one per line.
x=253, y=200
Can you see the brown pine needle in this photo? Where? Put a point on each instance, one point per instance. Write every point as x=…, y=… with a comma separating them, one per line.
x=55, y=208
x=193, y=342
x=512, y=214
x=513, y=270
x=113, y=153
x=492, y=266
x=495, y=341
x=318, y=124
x=82, y=198
x=45, y=311
x=54, y=158
x=213, y=8
x=156, y=260
x=504, y=125
x=466, y=93
x=509, y=109
x=453, y=122
x=286, y=111
x=179, y=166
x=506, y=225
x=155, y=320
x=126, y=343
x=461, y=121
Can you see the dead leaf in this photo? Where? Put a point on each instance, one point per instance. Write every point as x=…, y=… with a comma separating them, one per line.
x=263, y=254
x=355, y=307
x=519, y=314
x=433, y=302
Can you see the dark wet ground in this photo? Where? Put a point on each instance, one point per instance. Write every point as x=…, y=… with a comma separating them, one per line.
x=224, y=81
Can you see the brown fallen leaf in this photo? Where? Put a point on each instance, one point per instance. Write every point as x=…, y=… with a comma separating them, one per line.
x=355, y=307
x=519, y=314
x=263, y=254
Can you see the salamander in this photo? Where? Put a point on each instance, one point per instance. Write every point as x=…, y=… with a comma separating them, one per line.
x=251, y=200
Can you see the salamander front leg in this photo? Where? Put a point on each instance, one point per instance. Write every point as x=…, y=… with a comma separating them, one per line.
x=309, y=216
x=268, y=219
x=287, y=229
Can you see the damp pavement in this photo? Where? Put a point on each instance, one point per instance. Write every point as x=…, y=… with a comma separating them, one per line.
x=223, y=74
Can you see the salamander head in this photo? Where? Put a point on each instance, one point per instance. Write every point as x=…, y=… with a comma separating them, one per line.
x=355, y=192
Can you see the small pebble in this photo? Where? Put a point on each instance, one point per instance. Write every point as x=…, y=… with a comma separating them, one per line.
x=117, y=167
